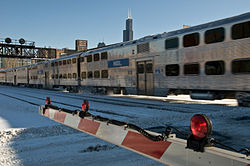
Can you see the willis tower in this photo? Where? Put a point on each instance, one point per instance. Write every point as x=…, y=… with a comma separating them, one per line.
x=128, y=33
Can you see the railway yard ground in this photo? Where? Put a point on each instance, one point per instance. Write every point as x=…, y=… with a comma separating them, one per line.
x=26, y=138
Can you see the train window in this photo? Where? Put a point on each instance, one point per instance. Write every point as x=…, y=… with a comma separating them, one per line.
x=191, y=69
x=69, y=61
x=105, y=74
x=84, y=75
x=140, y=68
x=74, y=60
x=89, y=58
x=241, y=30
x=172, y=70
x=52, y=64
x=74, y=75
x=143, y=48
x=82, y=59
x=104, y=55
x=96, y=57
x=215, y=68
x=56, y=63
x=149, y=68
x=69, y=75
x=60, y=63
x=190, y=40
x=214, y=35
x=56, y=76
x=90, y=74
x=60, y=76
x=65, y=76
x=241, y=66
x=64, y=62
x=172, y=43
x=97, y=74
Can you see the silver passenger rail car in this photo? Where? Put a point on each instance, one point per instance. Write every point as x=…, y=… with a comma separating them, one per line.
x=65, y=72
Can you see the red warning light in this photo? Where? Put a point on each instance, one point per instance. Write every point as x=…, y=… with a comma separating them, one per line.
x=85, y=106
x=48, y=101
x=201, y=126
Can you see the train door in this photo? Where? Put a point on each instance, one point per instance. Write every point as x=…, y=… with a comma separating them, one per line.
x=79, y=71
x=145, y=78
x=28, y=77
x=14, y=79
x=46, y=79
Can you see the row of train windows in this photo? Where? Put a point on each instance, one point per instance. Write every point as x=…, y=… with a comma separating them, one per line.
x=104, y=55
x=84, y=75
x=239, y=31
x=211, y=68
x=95, y=74
x=34, y=77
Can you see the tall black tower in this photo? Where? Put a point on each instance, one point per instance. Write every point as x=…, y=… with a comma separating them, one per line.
x=128, y=33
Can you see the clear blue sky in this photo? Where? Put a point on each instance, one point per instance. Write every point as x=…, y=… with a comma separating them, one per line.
x=58, y=23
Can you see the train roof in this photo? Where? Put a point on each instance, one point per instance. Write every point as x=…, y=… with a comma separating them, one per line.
x=65, y=57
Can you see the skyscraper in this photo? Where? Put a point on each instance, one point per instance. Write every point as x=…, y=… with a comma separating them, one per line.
x=128, y=33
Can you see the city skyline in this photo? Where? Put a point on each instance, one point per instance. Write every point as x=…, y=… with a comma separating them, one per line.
x=58, y=24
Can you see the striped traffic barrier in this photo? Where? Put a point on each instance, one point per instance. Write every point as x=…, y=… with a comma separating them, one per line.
x=170, y=150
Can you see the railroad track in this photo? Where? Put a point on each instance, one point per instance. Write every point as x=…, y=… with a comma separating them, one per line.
x=172, y=107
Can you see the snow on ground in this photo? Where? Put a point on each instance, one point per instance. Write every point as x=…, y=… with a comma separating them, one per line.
x=26, y=138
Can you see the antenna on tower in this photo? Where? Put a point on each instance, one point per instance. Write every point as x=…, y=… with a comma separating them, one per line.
x=129, y=14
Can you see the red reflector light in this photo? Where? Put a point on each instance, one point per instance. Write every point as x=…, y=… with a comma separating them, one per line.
x=48, y=101
x=85, y=105
x=201, y=126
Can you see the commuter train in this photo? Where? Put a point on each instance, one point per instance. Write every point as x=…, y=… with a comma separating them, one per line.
x=208, y=61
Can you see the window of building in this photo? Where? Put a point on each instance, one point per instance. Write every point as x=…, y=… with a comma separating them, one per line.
x=214, y=35
x=241, y=66
x=190, y=40
x=215, y=68
x=84, y=75
x=191, y=69
x=97, y=74
x=60, y=76
x=172, y=43
x=82, y=59
x=89, y=58
x=140, y=68
x=104, y=55
x=60, y=63
x=69, y=61
x=52, y=76
x=241, y=30
x=74, y=75
x=56, y=76
x=90, y=74
x=74, y=60
x=96, y=57
x=64, y=62
x=105, y=74
x=69, y=75
x=172, y=70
